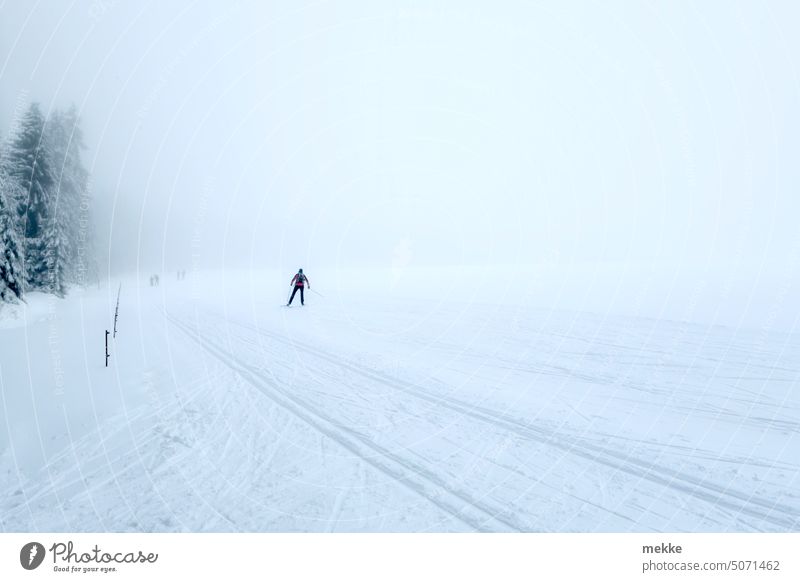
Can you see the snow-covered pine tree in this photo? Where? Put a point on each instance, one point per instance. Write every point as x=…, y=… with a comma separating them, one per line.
x=28, y=164
x=11, y=268
x=55, y=252
x=81, y=228
x=63, y=143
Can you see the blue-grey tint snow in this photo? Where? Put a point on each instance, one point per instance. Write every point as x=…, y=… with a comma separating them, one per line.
x=555, y=246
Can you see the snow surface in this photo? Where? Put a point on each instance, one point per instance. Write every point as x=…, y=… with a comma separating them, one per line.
x=372, y=409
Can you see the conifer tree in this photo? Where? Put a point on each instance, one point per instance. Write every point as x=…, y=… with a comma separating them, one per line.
x=28, y=164
x=11, y=268
x=45, y=225
x=63, y=143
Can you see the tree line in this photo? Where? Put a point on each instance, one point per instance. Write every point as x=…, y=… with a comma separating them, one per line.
x=45, y=220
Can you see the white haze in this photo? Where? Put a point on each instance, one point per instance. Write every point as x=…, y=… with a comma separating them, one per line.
x=618, y=154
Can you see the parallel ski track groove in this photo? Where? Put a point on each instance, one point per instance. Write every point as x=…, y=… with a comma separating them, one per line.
x=716, y=495
x=458, y=504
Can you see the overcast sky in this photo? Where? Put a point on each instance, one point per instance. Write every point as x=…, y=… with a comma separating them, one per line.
x=351, y=133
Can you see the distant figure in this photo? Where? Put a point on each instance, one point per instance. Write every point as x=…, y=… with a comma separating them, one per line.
x=151, y=281
x=155, y=280
x=299, y=281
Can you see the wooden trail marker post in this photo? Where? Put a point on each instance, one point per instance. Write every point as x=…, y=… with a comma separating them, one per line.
x=116, y=311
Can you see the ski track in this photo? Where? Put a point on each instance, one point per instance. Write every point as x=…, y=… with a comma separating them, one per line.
x=475, y=513
x=172, y=450
x=156, y=457
x=741, y=504
x=90, y=486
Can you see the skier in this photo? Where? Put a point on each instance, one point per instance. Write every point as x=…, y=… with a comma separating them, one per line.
x=299, y=281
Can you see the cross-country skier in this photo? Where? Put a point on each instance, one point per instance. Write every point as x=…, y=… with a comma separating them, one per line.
x=299, y=281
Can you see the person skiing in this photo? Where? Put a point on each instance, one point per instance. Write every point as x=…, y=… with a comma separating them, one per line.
x=299, y=281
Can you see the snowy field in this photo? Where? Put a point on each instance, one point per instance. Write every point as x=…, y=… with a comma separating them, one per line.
x=387, y=412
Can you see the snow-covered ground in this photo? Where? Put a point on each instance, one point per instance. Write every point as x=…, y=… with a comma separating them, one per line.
x=372, y=409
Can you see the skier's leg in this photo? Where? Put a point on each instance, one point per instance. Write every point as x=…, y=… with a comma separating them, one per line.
x=292, y=297
x=302, y=299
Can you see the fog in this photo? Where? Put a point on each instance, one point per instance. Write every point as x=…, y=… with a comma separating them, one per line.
x=615, y=139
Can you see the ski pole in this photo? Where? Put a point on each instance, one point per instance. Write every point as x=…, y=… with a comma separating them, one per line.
x=317, y=292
